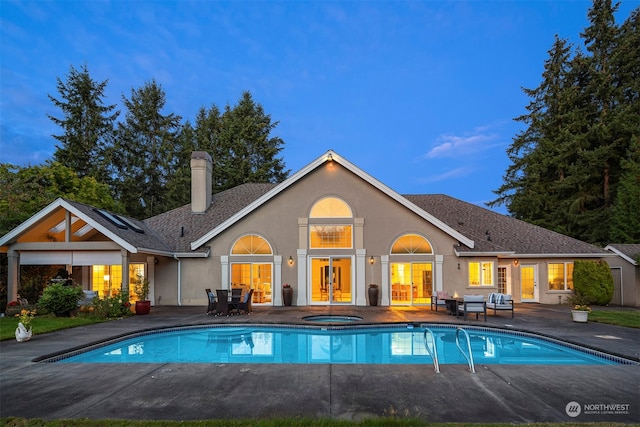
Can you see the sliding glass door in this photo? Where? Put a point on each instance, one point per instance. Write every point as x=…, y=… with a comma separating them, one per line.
x=331, y=280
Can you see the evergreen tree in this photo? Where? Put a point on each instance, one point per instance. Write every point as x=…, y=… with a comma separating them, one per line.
x=625, y=221
x=244, y=150
x=566, y=165
x=145, y=152
x=87, y=124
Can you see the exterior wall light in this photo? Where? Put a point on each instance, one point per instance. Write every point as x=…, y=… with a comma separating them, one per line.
x=290, y=261
x=372, y=260
x=516, y=262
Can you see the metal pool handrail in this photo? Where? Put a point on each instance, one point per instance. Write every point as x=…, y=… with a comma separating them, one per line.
x=434, y=354
x=470, y=357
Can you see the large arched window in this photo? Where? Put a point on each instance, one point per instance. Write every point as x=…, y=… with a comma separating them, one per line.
x=251, y=245
x=331, y=224
x=409, y=244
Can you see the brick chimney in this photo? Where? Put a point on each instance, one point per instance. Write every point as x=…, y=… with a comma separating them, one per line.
x=201, y=169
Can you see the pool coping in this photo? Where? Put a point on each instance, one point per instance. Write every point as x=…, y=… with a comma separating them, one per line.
x=65, y=354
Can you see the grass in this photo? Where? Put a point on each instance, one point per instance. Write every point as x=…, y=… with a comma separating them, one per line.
x=280, y=422
x=47, y=323
x=628, y=318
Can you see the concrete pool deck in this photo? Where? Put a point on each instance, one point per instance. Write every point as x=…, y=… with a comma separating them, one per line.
x=495, y=393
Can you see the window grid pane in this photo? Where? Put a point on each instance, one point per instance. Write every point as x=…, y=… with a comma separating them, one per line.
x=330, y=236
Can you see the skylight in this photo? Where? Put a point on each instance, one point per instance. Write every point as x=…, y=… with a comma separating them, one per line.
x=62, y=225
x=130, y=224
x=111, y=218
x=83, y=230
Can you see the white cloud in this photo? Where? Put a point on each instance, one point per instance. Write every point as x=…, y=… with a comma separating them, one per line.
x=449, y=145
x=451, y=173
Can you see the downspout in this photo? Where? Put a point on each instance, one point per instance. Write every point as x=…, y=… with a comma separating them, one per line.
x=179, y=279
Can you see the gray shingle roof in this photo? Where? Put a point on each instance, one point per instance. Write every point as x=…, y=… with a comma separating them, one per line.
x=148, y=240
x=491, y=231
x=494, y=232
x=179, y=227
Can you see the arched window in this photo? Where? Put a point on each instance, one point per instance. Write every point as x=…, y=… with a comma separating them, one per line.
x=330, y=225
x=330, y=207
x=251, y=245
x=411, y=244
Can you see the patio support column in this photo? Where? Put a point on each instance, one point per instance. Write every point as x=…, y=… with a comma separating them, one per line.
x=302, y=277
x=125, y=272
x=12, y=275
x=384, y=285
x=276, y=286
x=224, y=272
x=361, y=284
x=151, y=276
x=438, y=273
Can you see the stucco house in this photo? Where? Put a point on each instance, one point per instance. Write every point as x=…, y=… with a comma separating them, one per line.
x=329, y=231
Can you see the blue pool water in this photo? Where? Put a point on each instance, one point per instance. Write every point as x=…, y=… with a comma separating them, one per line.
x=398, y=344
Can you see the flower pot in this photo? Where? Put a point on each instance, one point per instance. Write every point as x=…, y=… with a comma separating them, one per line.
x=143, y=307
x=287, y=296
x=579, y=315
x=374, y=291
x=22, y=334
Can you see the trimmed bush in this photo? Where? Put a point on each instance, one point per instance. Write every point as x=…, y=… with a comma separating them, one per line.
x=60, y=299
x=592, y=282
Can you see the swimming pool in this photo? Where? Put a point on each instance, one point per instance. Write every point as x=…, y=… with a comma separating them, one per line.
x=370, y=344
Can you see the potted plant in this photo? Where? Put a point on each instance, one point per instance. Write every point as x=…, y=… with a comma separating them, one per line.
x=580, y=313
x=287, y=294
x=141, y=289
x=24, y=329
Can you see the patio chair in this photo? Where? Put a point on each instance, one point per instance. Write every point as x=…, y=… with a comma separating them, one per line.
x=211, y=308
x=245, y=304
x=472, y=304
x=222, y=306
x=234, y=303
x=499, y=301
x=437, y=299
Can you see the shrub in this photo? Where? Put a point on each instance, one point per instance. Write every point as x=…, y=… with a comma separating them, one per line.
x=592, y=282
x=111, y=306
x=60, y=299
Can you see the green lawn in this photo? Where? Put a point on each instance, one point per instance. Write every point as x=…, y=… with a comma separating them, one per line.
x=628, y=318
x=48, y=323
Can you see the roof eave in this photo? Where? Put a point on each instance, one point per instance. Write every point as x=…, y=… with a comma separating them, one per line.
x=620, y=254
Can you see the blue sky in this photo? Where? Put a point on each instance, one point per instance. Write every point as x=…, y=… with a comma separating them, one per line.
x=420, y=94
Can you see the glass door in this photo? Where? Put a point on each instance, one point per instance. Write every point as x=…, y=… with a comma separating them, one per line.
x=529, y=283
x=331, y=280
x=411, y=283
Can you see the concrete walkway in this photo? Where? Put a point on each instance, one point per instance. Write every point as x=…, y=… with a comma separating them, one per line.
x=496, y=393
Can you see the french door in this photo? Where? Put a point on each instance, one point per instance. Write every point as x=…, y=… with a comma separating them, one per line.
x=331, y=280
x=411, y=283
x=529, y=283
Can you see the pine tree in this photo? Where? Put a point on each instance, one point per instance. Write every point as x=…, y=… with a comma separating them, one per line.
x=87, y=124
x=245, y=151
x=146, y=152
x=566, y=165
